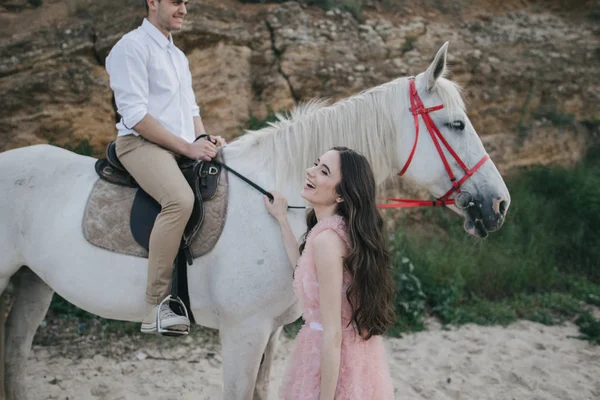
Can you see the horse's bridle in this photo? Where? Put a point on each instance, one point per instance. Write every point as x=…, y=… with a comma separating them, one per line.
x=417, y=108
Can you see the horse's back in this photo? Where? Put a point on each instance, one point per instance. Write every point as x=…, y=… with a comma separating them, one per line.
x=39, y=183
x=37, y=171
x=27, y=180
x=39, y=159
x=32, y=152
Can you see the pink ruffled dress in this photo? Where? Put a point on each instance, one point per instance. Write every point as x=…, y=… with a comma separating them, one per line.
x=364, y=371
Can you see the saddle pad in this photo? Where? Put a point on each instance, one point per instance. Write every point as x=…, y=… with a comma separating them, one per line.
x=108, y=210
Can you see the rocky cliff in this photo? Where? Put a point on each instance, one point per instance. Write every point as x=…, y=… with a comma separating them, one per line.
x=530, y=69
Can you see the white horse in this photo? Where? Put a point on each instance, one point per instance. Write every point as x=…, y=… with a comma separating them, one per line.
x=243, y=287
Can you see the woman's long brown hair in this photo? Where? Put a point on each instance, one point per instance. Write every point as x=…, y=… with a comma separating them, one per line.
x=371, y=291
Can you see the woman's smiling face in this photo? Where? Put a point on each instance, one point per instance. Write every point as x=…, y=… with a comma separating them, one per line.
x=322, y=179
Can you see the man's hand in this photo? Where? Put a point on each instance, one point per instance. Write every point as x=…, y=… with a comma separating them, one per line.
x=220, y=141
x=201, y=150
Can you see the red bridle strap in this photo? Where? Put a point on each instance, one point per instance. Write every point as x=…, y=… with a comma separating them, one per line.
x=468, y=174
x=407, y=203
x=417, y=108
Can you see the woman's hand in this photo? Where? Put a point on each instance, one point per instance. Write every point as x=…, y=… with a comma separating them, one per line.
x=277, y=208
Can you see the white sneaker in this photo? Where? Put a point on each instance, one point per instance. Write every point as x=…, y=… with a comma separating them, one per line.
x=168, y=320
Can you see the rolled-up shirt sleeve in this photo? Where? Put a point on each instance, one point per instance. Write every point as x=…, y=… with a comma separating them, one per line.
x=128, y=72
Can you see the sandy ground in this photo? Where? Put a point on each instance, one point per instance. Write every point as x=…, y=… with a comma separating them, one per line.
x=525, y=361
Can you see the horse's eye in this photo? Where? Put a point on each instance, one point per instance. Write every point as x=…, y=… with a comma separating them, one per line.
x=456, y=125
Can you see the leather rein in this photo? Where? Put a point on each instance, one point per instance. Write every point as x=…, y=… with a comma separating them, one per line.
x=242, y=177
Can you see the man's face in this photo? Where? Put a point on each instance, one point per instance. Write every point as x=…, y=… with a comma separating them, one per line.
x=169, y=13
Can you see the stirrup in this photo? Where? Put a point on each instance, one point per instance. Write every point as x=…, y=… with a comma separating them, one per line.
x=166, y=331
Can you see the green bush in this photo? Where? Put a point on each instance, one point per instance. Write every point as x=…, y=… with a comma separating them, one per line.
x=589, y=327
x=543, y=264
x=83, y=147
x=408, y=45
x=255, y=123
x=558, y=119
x=410, y=299
x=86, y=321
x=594, y=15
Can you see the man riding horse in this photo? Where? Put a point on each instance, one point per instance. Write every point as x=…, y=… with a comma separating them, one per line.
x=159, y=123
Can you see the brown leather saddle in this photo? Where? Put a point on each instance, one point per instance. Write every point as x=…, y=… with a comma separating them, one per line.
x=203, y=178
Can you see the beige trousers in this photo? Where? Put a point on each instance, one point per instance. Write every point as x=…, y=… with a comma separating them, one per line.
x=156, y=171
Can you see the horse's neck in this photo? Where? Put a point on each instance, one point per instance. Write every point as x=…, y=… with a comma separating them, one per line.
x=367, y=123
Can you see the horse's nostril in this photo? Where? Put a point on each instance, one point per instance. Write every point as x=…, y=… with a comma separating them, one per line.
x=503, y=206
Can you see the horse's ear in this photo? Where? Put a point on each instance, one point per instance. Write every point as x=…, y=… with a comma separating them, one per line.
x=437, y=67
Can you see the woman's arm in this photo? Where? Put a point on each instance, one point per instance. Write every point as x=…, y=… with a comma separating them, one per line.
x=278, y=209
x=289, y=241
x=329, y=253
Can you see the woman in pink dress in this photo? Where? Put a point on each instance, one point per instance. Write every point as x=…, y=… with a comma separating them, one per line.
x=343, y=279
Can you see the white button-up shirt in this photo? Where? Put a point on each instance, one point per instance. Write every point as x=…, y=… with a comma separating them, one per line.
x=149, y=75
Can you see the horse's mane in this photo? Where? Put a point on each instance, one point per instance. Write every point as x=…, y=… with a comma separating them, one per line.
x=367, y=122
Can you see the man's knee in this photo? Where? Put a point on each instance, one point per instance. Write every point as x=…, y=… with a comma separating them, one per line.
x=187, y=201
x=181, y=201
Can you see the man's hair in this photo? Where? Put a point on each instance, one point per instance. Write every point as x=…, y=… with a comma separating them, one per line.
x=146, y=5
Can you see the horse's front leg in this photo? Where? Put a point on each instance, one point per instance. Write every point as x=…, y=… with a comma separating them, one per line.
x=243, y=344
x=261, y=389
